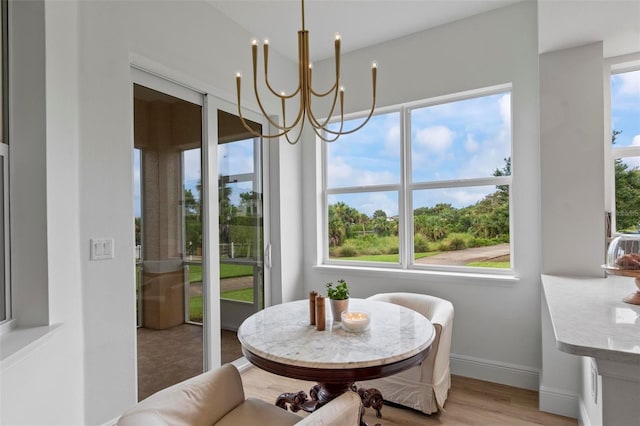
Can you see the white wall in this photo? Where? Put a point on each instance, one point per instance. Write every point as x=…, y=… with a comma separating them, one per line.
x=573, y=236
x=44, y=385
x=84, y=374
x=489, y=49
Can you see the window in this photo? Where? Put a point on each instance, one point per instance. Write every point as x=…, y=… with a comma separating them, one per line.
x=423, y=185
x=5, y=287
x=625, y=140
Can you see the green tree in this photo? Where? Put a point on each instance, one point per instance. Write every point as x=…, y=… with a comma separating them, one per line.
x=226, y=211
x=336, y=227
x=627, y=182
x=192, y=221
x=381, y=225
x=349, y=218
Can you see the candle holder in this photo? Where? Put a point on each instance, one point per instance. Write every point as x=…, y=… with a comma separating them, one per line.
x=355, y=321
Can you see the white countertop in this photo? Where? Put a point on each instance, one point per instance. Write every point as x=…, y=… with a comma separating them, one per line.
x=590, y=319
x=282, y=333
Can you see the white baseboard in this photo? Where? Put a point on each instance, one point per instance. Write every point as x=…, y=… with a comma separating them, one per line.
x=583, y=417
x=519, y=376
x=558, y=401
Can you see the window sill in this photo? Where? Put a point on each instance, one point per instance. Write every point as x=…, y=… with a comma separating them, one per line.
x=499, y=279
x=18, y=343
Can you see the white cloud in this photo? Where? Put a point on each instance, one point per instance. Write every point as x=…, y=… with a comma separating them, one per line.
x=632, y=162
x=636, y=141
x=630, y=83
x=392, y=141
x=505, y=109
x=466, y=198
x=471, y=144
x=192, y=164
x=436, y=138
x=342, y=174
x=339, y=171
x=379, y=201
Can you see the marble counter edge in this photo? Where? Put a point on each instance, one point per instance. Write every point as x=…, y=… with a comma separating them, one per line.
x=566, y=344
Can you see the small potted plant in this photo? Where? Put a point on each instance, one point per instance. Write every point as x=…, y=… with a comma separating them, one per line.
x=339, y=296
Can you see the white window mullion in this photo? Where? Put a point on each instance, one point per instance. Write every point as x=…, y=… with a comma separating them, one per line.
x=405, y=232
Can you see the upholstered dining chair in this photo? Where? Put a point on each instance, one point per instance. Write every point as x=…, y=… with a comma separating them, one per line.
x=426, y=386
x=217, y=398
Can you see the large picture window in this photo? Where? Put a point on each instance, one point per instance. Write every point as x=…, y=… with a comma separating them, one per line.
x=423, y=185
x=625, y=140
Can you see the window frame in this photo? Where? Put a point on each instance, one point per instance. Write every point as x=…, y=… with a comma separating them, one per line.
x=5, y=244
x=616, y=153
x=406, y=187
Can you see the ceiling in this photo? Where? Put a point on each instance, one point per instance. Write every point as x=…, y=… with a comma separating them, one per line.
x=362, y=23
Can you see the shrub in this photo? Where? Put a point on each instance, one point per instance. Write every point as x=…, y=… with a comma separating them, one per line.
x=457, y=243
x=420, y=244
x=347, y=251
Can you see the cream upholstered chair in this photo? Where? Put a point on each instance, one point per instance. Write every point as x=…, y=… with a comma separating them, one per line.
x=424, y=387
x=217, y=398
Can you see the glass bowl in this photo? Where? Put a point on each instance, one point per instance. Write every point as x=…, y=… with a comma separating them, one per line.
x=624, y=252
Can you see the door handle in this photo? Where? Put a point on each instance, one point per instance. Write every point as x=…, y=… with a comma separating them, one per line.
x=267, y=255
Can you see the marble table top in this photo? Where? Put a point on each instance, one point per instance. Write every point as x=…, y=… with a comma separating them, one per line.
x=282, y=333
x=590, y=319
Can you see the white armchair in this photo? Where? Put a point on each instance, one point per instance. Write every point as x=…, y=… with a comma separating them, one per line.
x=424, y=387
x=217, y=398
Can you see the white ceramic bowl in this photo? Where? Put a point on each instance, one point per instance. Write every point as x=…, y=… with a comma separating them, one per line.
x=355, y=321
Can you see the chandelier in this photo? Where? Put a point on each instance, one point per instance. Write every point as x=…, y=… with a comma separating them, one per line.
x=305, y=94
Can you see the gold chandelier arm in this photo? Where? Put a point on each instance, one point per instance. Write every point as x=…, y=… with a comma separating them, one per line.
x=374, y=73
x=319, y=133
x=265, y=52
x=315, y=122
x=284, y=129
x=295, y=141
x=336, y=84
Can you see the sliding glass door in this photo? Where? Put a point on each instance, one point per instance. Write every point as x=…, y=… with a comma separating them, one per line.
x=169, y=233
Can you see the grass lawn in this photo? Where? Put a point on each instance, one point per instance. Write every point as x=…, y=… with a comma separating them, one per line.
x=195, y=309
x=241, y=295
x=226, y=271
x=391, y=258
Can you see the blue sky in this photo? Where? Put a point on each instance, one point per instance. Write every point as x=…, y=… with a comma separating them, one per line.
x=625, y=108
x=457, y=140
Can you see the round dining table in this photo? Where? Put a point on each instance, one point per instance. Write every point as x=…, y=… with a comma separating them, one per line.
x=281, y=340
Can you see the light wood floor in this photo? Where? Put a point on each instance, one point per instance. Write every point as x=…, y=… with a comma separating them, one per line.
x=470, y=402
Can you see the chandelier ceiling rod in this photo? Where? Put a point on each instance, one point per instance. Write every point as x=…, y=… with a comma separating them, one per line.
x=304, y=92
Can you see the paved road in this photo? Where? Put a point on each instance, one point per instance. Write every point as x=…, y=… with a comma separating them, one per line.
x=462, y=257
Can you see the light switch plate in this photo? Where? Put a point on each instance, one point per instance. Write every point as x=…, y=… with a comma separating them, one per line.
x=101, y=248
